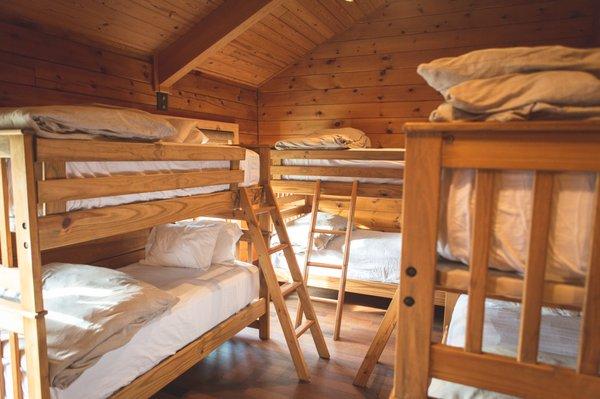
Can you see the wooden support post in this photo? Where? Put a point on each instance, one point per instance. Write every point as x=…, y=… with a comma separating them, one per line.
x=416, y=305
x=30, y=266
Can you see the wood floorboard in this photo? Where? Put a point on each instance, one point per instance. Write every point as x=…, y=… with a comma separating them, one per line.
x=246, y=367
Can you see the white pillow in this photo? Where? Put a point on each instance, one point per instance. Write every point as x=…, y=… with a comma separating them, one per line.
x=444, y=73
x=298, y=230
x=182, y=245
x=229, y=235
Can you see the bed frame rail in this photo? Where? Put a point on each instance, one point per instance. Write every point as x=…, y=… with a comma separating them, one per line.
x=545, y=148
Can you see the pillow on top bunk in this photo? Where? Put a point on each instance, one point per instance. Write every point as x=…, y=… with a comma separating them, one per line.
x=327, y=139
x=444, y=73
x=187, y=132
x=92, y=311
x=506, y=92
x=298, y=230
x=87, y=122
x=182, y=245
x=228, y=236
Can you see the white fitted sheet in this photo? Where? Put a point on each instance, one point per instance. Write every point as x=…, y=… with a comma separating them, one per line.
x=374, y=256
x=559, y=340
x=356, y=163
x=206, y=298
x=251, y=167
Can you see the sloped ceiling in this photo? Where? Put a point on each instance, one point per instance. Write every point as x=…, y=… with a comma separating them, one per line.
x=143, y=27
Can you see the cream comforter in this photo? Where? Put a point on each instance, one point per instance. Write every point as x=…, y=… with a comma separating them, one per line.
x=92, y=311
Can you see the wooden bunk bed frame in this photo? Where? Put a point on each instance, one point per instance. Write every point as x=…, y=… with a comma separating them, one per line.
x=296, y=199
x=56, y=229
x=542, y=147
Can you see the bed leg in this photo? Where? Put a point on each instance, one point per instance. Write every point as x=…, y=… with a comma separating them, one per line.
x=264, y=321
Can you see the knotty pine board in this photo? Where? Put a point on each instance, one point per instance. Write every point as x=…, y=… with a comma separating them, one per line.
x=366, y=76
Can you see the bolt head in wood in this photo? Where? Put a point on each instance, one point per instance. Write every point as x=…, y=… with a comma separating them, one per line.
x=409, y=301
x=411, y=271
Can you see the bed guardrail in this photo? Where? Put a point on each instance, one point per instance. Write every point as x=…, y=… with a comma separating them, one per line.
x=490, y=148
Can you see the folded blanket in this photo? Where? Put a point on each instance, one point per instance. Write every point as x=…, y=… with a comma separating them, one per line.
x=327, y=139
x=86, y=122
x=537, y=111
x=506, y=92
x=444, y=73
x=92, y=311
x=187, y=132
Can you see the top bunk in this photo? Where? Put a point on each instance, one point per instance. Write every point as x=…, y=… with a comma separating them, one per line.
x=82, y=190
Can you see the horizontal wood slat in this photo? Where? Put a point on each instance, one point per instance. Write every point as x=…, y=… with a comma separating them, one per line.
x=338, y=171
x=395, y=154
x=82, y=150
x=337, y=188
x=504, y=374
x=68, y=189
x=79, y=226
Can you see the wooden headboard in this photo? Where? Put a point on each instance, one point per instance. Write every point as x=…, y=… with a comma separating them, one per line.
x=218, y=132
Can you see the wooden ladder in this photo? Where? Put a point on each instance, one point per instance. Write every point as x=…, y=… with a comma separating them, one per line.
x=279, y=293
x=345, y=258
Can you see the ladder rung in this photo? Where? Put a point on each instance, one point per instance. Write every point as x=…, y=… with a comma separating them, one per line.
x=288, y=288
x=337, y=232
x=278, y=248
x=304, y=327
x=324, y=300
x=324, y=265
x=264, y=209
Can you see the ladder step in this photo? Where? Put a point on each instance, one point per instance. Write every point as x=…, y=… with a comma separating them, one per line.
x=336, y=232
x=304, y=327
x=324, y=300
x=278, y=248
x=288, y=288
x=324, y=265
x=264, y=209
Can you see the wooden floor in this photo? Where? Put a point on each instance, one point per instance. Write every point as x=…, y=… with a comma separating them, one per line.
x=246, y=367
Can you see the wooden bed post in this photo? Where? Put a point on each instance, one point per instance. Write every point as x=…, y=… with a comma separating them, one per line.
x=416, y=301
x=264, y=220
x=29, y=263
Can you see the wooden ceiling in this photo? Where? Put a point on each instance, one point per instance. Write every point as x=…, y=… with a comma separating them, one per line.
x=144, y=27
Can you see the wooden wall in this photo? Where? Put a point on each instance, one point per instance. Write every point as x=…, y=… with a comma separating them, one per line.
x=40, y=69
x=366, y=77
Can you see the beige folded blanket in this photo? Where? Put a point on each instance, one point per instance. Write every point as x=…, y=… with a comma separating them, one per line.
x=536, y=111
x=87, y=122
x=506, y=92
x=327, y=139
x=444, y=73
x=92, y=311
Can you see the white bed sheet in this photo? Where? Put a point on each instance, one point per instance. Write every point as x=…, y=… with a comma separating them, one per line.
x=559, y=340
x=374, y=256
x=367, y=164
x=206, y=298
x=251, y=167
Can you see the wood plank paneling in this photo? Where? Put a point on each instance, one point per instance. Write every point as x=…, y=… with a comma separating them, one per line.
x=366, y=76
x=41, y=69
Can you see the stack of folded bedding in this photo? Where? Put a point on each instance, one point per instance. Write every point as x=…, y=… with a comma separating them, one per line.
x=521, y=83
x=511, y=84
x=327, y=139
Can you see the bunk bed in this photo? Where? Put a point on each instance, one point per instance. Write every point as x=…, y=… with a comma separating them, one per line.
x=43, y=183
x=306, y=178
x=547, y=149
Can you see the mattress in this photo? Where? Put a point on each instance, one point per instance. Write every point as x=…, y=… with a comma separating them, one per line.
x=559, y=339
x=374, y=256
x=206, y=298
x=251, y=167
x=367, y=164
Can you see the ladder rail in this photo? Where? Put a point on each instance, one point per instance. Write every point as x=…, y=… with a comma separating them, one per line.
x=309, y=247
x=302, y=291
x=347, y=240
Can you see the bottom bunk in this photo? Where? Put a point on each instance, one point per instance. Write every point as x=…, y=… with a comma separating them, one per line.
x=558, y=343
x=211, y=307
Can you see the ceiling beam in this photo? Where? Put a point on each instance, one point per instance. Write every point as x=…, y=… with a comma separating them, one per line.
x=215, y=31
